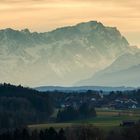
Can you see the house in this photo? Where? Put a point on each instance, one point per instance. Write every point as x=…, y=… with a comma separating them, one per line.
x=128, y=123
x=101, y=95
x=133, y=106
x=93, y=99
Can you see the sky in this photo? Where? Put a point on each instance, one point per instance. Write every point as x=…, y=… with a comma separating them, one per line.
x=46, y=15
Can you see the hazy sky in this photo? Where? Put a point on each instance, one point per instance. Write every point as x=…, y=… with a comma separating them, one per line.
x=45, y=15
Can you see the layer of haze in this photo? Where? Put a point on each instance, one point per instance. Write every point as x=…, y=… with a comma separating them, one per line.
x=45, y=15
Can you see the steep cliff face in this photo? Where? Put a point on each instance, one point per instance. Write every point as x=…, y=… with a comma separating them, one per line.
x=60, y=57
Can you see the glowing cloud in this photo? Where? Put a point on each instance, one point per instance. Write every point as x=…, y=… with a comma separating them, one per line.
x=44, y=15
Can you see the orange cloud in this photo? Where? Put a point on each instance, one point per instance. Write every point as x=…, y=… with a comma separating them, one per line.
x=43, y=15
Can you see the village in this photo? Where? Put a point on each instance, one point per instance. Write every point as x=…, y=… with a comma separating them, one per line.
x=98, y=100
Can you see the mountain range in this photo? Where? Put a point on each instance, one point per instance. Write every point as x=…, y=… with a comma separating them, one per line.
x=83, y=89
x=124, y=71
x=63, y=56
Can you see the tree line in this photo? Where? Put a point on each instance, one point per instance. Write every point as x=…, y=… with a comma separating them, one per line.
x=26, y=134
x=70, y=113
x=82, y=132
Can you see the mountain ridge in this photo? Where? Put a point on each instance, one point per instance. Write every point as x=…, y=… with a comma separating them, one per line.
x=59, y=57
x=124, y=71
x=82, y=88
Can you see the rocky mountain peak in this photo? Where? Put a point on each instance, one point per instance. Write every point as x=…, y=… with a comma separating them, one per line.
x=25, y=31
x=59, y=57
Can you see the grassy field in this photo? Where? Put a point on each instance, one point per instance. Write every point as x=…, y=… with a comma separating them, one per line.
x=105, y=119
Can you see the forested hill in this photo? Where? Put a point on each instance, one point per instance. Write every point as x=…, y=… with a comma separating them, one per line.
x=20, y=106
x=9, y=90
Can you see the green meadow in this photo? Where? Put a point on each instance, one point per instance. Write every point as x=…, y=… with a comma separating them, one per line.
x=106, y=119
